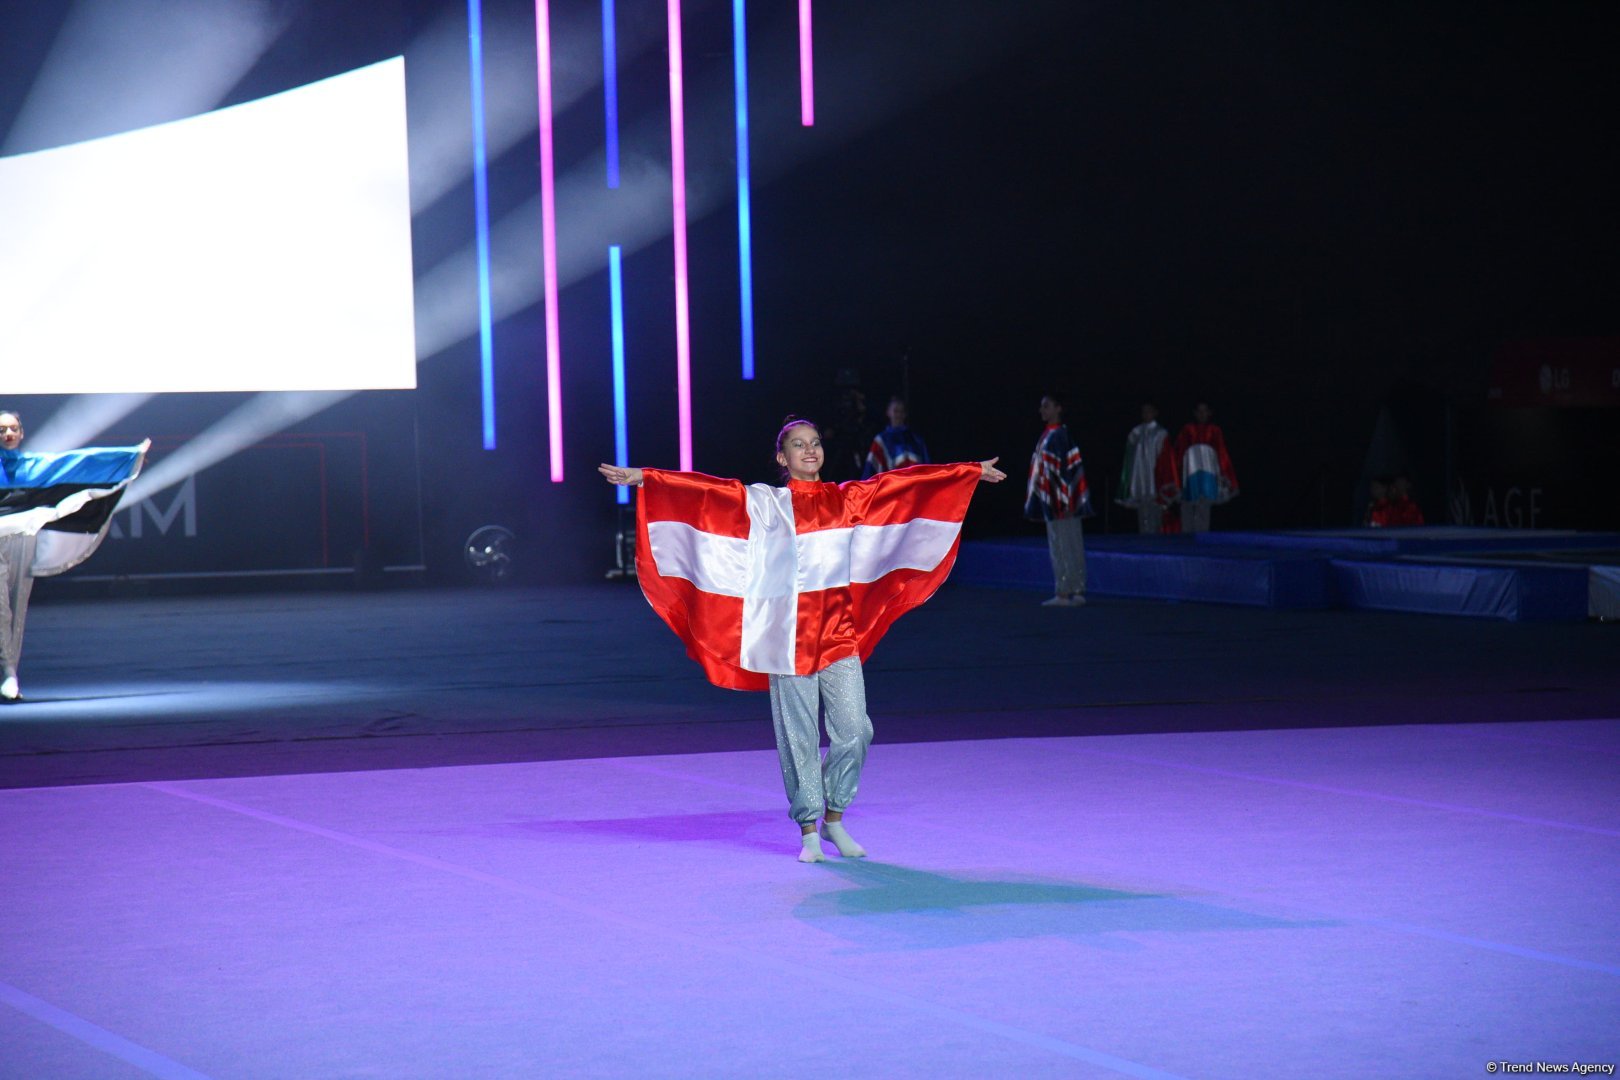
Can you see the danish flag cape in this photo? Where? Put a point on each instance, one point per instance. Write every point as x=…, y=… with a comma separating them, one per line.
x=761, y=580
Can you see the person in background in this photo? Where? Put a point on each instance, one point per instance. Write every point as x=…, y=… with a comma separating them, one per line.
x=896, y=446
x=1403, y=510
x=1203, y=468
x=1057, y=495
x=54, y=511
x=1139, y=481
x=1377, y=515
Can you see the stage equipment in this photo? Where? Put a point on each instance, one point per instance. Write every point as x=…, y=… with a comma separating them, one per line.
x=489, y=552
x=624, y=546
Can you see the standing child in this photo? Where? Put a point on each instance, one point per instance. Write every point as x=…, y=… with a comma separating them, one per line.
x=1057, y=495
x=1139, y=479
x=788, y=589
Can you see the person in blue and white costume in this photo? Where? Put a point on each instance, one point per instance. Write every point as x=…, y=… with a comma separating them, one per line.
x=896, y=446
x=55, y=510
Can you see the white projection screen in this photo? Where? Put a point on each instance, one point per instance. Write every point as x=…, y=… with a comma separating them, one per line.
x=265, y=246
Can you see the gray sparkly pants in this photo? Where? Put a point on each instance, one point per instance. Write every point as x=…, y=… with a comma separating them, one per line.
x=816, y=785
x=1068, y=546
x=1195, y=517
x=16, y=559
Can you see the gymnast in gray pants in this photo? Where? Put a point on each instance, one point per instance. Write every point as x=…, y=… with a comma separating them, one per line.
x=786, y=553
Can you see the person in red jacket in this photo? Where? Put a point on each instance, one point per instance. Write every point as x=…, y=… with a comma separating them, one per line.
x=1377, y=515
x=1203, y=469
x=788, y=589
x=1402, y=509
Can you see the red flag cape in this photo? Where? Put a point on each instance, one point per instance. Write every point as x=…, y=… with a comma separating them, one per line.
x=760, y=580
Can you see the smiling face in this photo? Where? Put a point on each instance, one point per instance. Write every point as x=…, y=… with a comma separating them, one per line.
x=799, y=452
x=11, y=431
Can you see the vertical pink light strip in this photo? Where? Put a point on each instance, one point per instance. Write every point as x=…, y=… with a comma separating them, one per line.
x=548, y=239
x=807, y=78
x=677, y=169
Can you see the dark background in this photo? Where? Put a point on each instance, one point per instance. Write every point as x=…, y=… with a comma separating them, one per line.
x=1306, y=214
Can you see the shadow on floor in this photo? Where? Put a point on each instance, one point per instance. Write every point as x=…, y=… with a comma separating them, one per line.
x=895, y=907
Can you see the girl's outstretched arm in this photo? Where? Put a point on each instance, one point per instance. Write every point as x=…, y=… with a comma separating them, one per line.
x=615, y=474
x=989, y=475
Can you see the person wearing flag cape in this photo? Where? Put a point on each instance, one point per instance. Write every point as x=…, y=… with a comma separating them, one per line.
x=788, y=589
x=55, y=510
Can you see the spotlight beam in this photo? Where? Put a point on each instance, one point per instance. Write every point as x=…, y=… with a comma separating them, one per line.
x=101, y=77
x=260, y=416
x=81, y=418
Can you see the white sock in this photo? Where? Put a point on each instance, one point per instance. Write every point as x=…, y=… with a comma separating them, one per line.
x=8, y=689
x=811, y=851
x=847, y=847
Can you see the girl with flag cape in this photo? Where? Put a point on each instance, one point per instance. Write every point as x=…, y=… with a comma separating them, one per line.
x=55, y=510
x=788, y=589
x=1203, y=469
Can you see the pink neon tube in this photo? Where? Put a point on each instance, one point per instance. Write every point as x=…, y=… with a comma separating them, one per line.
x=548, y=239
x=677, y=169
x=807, y=78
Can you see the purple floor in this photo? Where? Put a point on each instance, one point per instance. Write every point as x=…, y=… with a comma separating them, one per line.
x=512, y=834
x=1395, y=901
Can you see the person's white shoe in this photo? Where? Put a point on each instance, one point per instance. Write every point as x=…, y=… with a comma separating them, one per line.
x=1064, y=601
x=9, y=690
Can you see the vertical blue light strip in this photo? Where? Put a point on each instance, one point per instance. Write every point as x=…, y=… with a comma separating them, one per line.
x=621, y=433
x=486, y=323
x=745, y=224
x=610, y=91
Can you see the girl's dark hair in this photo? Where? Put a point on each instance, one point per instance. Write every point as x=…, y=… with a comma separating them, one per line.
x=790, y=422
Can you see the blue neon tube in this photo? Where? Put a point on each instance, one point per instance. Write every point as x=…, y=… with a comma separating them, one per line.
x=486, y=322
x=621, y=432
x=610, y=90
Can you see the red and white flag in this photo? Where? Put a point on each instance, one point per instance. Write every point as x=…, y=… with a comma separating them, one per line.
x=761, y=580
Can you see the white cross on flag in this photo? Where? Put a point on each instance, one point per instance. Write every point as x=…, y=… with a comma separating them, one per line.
x=761, y=580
